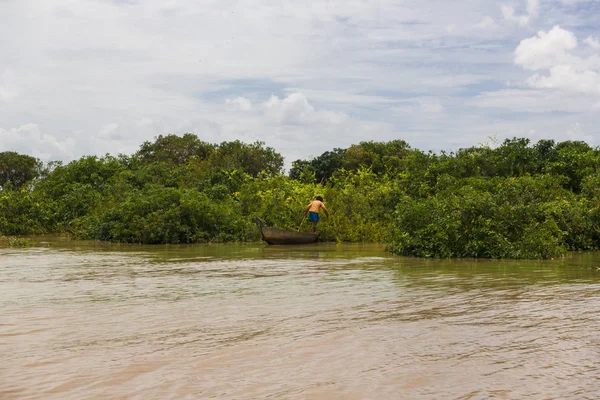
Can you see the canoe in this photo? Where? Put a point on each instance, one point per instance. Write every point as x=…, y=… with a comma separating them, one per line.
x=284, y=236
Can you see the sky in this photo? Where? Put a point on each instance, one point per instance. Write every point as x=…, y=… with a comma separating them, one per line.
x=91, y=77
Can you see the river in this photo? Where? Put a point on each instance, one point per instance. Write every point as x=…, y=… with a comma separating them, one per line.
x=94, y=321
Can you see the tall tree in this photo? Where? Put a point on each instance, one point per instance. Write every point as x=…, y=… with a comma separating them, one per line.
x=174, y=149
x=18, y=169
x=250, y=158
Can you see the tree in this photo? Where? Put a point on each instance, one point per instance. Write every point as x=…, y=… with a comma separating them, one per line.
x=250, y=158
x=174, y=149
x=18, y=169
x=322, y=167
x=381, y=157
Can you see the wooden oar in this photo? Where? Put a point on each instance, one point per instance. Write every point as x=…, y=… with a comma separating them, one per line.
x=301, y=222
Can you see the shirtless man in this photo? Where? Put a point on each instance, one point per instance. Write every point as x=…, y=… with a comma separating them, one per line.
x=313, y=210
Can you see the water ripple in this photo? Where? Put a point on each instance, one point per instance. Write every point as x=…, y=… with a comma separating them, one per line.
x=320, y=322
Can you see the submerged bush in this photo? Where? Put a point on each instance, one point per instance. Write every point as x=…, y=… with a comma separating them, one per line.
x=521, y=217
x=362, y=205
x=168, y=215
x=21, y=213
x=20, y=242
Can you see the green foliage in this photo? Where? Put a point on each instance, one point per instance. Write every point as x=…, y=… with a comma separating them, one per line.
x=319, y=169
x=168, y=215
x=279, y=201
x=16, y=169
x=72, y=191
x=20, y=213
x=381, y=157
x=521, y=217
x=20, y=242
x=511, y=200
x=575, y=161
x=92, y=171
x=175, y=150
x=303, y=171
x=252, y=159
x=361, y=204
x=163, y=173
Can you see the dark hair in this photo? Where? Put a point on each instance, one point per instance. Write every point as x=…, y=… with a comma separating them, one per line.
x=319, y=198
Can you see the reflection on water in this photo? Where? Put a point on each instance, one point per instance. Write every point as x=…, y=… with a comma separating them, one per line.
x=324, y=321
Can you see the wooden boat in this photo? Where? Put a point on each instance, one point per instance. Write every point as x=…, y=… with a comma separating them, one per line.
x=284, y=236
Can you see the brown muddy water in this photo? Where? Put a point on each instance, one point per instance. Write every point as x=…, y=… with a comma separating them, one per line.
x=89, y=321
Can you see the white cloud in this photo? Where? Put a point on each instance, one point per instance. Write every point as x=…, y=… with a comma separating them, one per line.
x=568, y=78
x=553, y=51
x=421, y=107
x=546, y=49
x=30, y=140
x=240, y=103
x=295, y=109
x=486, y=22
x=532, y=8
x=295, y=127
x=593, y=42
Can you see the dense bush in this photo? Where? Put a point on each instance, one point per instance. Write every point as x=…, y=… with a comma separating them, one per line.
x=520, y=217
x=168, y=215
x=20, y=214
x=362, y=205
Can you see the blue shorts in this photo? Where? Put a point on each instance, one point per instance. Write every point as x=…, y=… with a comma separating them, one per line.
x=313, y=216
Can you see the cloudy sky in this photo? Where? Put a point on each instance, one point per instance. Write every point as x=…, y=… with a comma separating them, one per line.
x=82, y=77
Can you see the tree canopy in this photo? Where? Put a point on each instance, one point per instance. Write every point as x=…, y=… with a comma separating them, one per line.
x=16, y=169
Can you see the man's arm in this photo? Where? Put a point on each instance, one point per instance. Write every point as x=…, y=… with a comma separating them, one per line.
x=325, y=209
x=307, y=208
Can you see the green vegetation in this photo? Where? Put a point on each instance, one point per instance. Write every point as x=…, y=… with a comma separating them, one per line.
x=17, y=169
x=515, y=200
x=15, y=242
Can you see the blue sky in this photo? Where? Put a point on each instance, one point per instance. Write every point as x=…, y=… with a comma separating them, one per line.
x=82, y=77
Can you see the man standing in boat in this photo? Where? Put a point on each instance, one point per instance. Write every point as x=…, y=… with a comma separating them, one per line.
x=313, y=211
